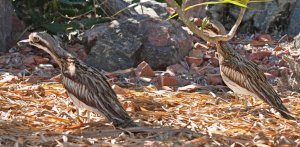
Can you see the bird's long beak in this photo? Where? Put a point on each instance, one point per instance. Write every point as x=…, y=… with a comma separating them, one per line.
x=23, y=42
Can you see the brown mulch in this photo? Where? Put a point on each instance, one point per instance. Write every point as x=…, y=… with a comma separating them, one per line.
x=43, y=115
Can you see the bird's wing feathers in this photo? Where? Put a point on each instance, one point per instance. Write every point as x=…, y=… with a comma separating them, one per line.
x=250, y=77
x=94, y=91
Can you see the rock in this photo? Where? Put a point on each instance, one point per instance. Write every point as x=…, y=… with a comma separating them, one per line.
x=193, y=60
x=189, y=88
x=168, y=81
x=24, y=72
x=294, y=24
x=262, y=40
x=260, y=55
x=282, y=63
x=165, y=43
x=198, y=12
x=274, y=72
x=276, y=17
x=118, y=89
x=111, y=46
x=207, y=57
x=45, y=70
x=269, y=76
x=196, y=53
x=214, y=62
x=11, y=26
x=11, y=60
x=124, y=43
x=278, y=48
x=284, y=71
x=214, y=79
x=29, y=60
x=176, y=69
x=144, y=70
x=40, y=60
x=78, y=50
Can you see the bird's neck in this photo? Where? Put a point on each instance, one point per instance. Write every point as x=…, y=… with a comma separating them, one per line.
x=224, y=49
x=59, y=54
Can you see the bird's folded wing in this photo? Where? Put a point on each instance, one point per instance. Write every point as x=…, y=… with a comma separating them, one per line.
x=249, y=76
x=91, y=87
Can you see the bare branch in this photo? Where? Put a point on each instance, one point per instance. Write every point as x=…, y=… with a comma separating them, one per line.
x=211, y=38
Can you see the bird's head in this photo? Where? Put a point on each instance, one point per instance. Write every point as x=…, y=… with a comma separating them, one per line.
x=44, y=41
x=49, y=44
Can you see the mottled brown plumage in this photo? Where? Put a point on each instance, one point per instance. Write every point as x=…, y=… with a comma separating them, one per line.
x=244, y=77
x=86, y=86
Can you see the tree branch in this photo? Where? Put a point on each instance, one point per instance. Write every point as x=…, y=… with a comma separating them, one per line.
x=222, y=36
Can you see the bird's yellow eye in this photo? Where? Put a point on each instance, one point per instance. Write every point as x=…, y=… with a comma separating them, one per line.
x=35, y=39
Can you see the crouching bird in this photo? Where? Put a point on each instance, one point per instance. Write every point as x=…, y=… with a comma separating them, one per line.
x=85, y=85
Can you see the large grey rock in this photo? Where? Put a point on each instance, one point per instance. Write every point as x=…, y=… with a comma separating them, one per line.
x=126, y=42
x=165, y=43
x=294, y=26
x=10, y=26
x=276, y=17
x=112, y=45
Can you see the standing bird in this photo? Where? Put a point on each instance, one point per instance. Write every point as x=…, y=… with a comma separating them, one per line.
x=243, y=76
x=86, y=86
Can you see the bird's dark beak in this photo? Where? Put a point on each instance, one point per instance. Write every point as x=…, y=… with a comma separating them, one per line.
x=23, y=42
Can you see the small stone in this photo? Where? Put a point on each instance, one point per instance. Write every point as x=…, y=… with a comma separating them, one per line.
x=196, y=53
x=45, y=70
x=40, y=60
x=214, y=61
x=144, y=69
x=283, y=63
x=261, y=40
x=198, y=21
x=24, y=72
x=25, y=50
x=189, y=88
x=13, y=50
x=284, y=71
x=214, y=79
x=278, y=48
x=29, y=60
x=168, y=81
x=259, y=55
x=118, y=89
x=269, y=76
x=176, y=69
x=274, y=72
x=193, y=60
